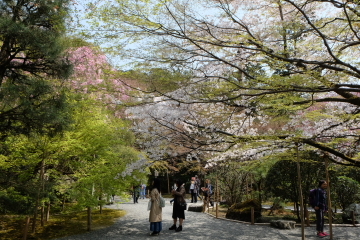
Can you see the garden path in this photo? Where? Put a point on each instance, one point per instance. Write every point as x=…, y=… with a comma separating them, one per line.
x=198, y=226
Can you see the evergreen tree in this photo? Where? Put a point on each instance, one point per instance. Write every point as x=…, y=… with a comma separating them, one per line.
x=32, y=65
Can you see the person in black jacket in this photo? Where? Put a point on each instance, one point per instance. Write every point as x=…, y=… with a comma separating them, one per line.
x=320, y=206
x=178, y=210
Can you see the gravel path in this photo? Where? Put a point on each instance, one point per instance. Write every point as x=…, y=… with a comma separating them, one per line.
x=135, y=225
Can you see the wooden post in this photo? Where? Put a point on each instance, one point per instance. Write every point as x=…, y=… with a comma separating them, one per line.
x=207, y=203
x=307, y=217
x=329, y=197
x=353, y=217
x=26, y=229
x=300, y=193
x=217, y=197
x=89, y=219
x=168, y=182
x=252, y=216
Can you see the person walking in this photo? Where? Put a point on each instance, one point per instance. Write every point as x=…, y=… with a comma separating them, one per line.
x=320, y=206
x=155, y=216
x=178, y=206
x=136, y=193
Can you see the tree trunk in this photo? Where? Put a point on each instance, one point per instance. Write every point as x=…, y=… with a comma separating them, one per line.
x=42, y=214
x=40, y=188
x=100, y=203
x=26, y=228
x=300, y=194
x=89, y=219
x=329, y=197
x=63, y=204
x=48, y=211
x=297, y=210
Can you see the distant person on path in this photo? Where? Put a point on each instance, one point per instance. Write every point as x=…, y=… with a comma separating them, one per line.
x=178, y=211
x=193, y=191
x=155, y=217
x=197, y=186
x=136, y=193
x=320, y=205
x=208, y=192
x=143, y=191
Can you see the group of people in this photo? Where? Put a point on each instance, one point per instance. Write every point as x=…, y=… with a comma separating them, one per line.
x=155, y=217
x=207, y=190
x=195, y=186
x=139, y=192
x=319, y=204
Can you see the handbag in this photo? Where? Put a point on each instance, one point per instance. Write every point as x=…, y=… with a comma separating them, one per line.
x=183, y=205
x=161, y=202
x=149, y=205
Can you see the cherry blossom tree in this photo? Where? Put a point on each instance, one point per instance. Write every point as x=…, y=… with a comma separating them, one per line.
x=256, y=68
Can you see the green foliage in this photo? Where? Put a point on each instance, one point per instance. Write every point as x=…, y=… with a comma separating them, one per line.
x=101, y=145
x=84, y=162
x=158, y=80
x=347, y=191
x=13, y=202
x=282, y=180
x=32, y=66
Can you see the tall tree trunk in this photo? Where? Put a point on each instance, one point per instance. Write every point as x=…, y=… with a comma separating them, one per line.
x=48, y=211
x=329, y=197
x=89, y=219
x=26, y=228
x=40, y=188
x=42, y=214
x=300, y=194
x=63, y=204
x=100, y=204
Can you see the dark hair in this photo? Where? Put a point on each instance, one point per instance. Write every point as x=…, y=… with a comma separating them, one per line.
x=157, y=184
x=321, y=182
x=179, y=182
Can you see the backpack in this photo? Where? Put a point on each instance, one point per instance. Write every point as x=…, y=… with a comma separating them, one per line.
x=312, y=197
x=211, y=188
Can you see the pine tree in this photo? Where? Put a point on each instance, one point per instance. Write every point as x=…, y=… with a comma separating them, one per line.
x=32, y=65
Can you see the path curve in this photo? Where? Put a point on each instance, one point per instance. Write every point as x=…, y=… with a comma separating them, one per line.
x=198, y=226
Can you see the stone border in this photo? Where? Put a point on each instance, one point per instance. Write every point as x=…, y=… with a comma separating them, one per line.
x=298, y=225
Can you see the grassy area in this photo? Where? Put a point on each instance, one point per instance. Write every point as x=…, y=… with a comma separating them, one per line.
x=12, y=227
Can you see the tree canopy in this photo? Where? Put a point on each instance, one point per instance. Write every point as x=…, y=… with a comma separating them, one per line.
x=32, y=66
x=270, y=73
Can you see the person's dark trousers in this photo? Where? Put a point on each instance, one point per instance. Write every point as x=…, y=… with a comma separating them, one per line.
x=319, y=220
x=193, y=196
x=134, y=197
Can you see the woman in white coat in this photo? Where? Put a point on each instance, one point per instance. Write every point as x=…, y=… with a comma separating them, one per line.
x=155, y=217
